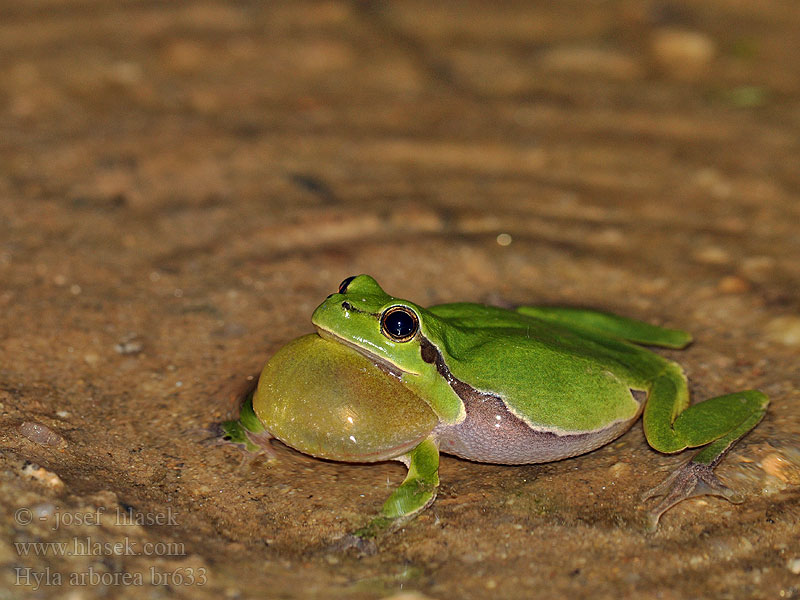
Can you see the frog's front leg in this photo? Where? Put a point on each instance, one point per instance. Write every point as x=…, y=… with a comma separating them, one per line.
x=670, y=425
x=416, y=492
x=247, y=431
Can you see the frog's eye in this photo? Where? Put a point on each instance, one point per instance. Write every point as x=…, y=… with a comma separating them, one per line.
x=345, y=283
x=399, y=323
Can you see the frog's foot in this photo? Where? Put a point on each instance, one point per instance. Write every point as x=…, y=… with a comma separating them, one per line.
x=407, y=501
x=351, y=541
x=250, y=442
x=691, y=480
x=416, y=493
x=382, y=525
x=364, y=540
x=206, y=436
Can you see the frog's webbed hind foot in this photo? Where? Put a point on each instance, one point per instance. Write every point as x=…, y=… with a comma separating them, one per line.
x=691, y=480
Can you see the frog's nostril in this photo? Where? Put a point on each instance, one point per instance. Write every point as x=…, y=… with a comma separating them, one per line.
x=347, y=306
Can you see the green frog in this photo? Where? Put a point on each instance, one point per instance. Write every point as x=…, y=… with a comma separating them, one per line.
x=384, y=378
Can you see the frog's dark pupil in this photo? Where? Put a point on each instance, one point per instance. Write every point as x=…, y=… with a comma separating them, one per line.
x=400, y=324
x=345, y=283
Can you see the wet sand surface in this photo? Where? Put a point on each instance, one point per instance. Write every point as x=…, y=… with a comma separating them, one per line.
x=182, y=183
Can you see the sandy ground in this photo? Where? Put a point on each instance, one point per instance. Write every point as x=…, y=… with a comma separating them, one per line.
x=182, y=183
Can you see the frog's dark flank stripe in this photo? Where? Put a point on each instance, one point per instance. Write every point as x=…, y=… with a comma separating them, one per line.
x=431, y=355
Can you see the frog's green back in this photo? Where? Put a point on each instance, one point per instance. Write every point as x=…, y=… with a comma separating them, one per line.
x=553, y=376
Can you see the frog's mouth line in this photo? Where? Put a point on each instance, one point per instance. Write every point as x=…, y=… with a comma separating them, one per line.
x=381, y=363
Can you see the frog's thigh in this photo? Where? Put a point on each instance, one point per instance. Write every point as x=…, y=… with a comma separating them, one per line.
x=671, y=427
x=610, y=324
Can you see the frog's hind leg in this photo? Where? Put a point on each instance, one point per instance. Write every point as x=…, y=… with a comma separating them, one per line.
x=417, y=491
x=671, y=427
x=612, y=325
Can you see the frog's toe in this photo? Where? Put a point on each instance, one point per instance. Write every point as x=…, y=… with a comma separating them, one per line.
x=249, y=442
x=262, y=444
x=691, y=480
x=363, y=546
x=206, y=436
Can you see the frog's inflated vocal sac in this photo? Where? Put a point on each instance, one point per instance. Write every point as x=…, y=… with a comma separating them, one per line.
x=388, y=379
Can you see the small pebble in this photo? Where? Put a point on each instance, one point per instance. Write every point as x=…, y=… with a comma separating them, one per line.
x=129, y=344
x=184, y=56
x=41, y=434
x=711, y=255
x=782, y=468
x=43, y=510
x=714, y=182
x=784, y=330
x=757, y=265
x=793, y=565
x=619, y=469
x=759, y=269
x=126, y=73
x=683, y=53
x=654, y=286
x=731, y=284
x=43, y=476
x=504, y=239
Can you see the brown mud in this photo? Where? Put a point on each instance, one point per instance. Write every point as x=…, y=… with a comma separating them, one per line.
x=181, y=183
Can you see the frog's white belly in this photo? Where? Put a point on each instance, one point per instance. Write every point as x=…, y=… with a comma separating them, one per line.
x=491, y=433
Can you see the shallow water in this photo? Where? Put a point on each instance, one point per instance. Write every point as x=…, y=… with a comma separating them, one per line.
x=180, y=185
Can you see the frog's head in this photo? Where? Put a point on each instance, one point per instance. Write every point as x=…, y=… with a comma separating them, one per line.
x=385, y=329
x=397, y=335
